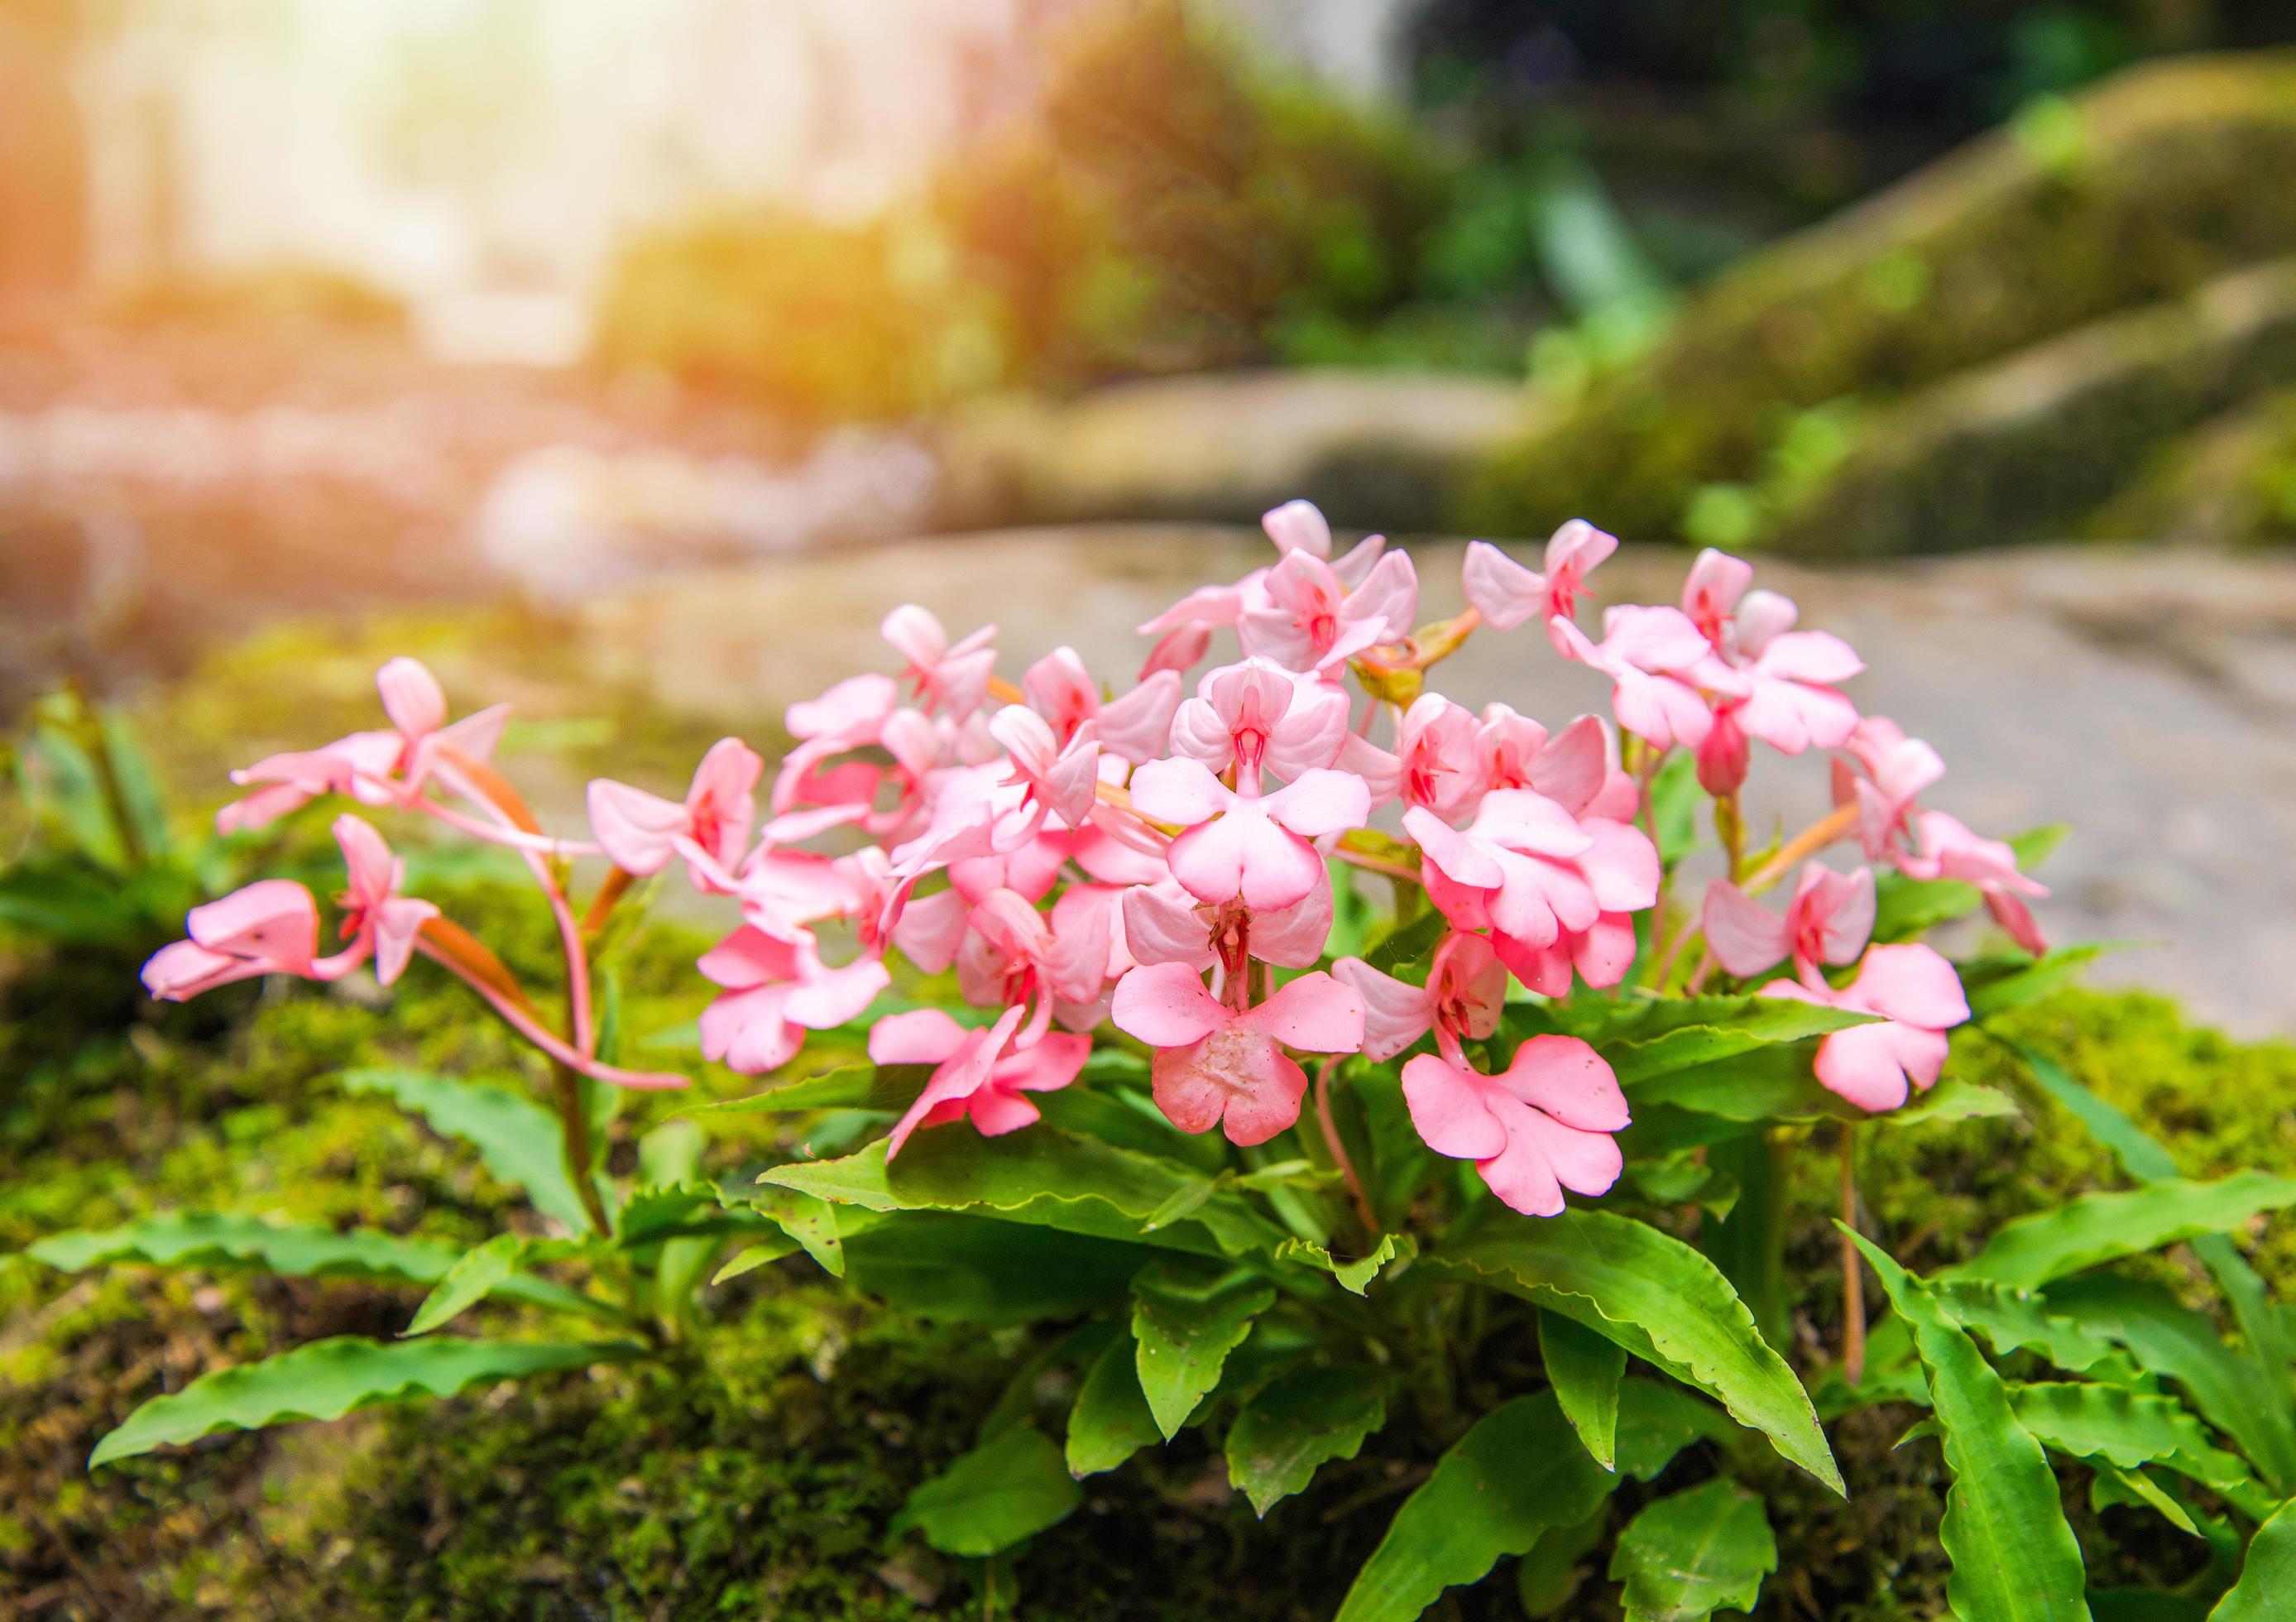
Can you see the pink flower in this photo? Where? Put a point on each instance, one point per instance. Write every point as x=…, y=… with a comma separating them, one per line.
x=850, y=715
x=1436, y=756
x=1164, y=924
x=1528, y=868
x=1883, y=770
x=1828, y=920
x=1012, y=955
x=1661, y=668
x=951, y=678
x=1249, y=847
x=1949, y=849
x=377, y=919
x=1918, y=999
x=1507, y=594
x=1464, y=997
x=980, y=1075
x=1217, y=1065
x=1577, y=767
x=1134, y=727
x=1791, y=675
x=1540, y=1127
x=1256, y=717
x=270, y=927
x=640, y=832
x=375, y=768
x=775, y=992
x=1311, y=620
x=1298, y=526
x=1059, y=778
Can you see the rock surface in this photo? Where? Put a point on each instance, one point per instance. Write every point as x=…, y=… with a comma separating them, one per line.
x=2147, y=699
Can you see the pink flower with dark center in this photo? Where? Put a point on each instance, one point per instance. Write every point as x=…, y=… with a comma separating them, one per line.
x=1164, y=924
x=1917, y=998
x=1791, y=702
x=377, y=920
x=1435, y=757
x=951, y=678
x=1014, y=955
x=850, y=715
x=1134, y=727
x=640, y=832
x=1217, y=1064
x=1577, y=767
x=1829, y=920
x=1528, y=868
x=1507, y=594
x=1298, y=526
x=775, y=992
x=1259, y=717
x=981, y=1075
x=1312, y=622
x=1249, y=847
x=1464, y=997
x=1542, y=1126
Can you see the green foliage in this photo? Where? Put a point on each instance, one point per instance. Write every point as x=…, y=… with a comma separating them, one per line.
x=1518, y=1474
x=1002, y=1492
x=516, y=1137
x=1111, y=1420
x=1296, y=1423
x=1660, y=1300
x=2013, y=1556
x=330, y=1379
x=1700, y=1551
x=1187, y=1319
x=2269, y=1575
x=2100, y=1227
x=1585, y=1369
x=294, y=1250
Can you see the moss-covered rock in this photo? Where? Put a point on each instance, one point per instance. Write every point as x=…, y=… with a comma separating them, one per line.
x=2160, y=180
x=2025, y=448
x=2231, y=482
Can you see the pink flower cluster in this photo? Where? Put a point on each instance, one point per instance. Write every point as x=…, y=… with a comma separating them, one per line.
x=1161, y=859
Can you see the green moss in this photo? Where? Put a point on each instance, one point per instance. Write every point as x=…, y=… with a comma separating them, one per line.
x=2172, y=182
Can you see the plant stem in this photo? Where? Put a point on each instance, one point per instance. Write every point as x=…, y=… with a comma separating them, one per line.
x=1853, y=1290
x=610, y=895
x=1811, y=840
x=574, y=1125
x=1338, y=1149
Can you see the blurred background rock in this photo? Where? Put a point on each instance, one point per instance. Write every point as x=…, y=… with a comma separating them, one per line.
x=322, y=307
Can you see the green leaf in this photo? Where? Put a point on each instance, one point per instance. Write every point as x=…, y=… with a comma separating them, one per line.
x=1547, y=1575
x=1517, y=1474
x=1955, y=1099
x=518, y=1139
x=2017, y=1320
x=2131, y=1429
x=1187, y=1319
x=1646, y=1041
x=475, y=1275
x=292, y=1250
x=1698, y=1551
x=980, y=1271
x=2269, y=1575
x=330, y=1379
x=1674, y=798
x=2098, y=1228
x=2113, y=1484
x=1585, y=1369
x=1409, y=943
x=1004, y=1491
x=1298, y=1422
x=812, y=1222
x=2013, y=1556
x=1110, y=1420
x=890, y=1087
x=2174, y=1342
x=2148, y=1161
x=754, y=1256
x=1660, y=1300
x=1657, y=1421
x=1356, y=1276
x=1043, y=1175
x=1995, y=985
x=1749, y=1244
